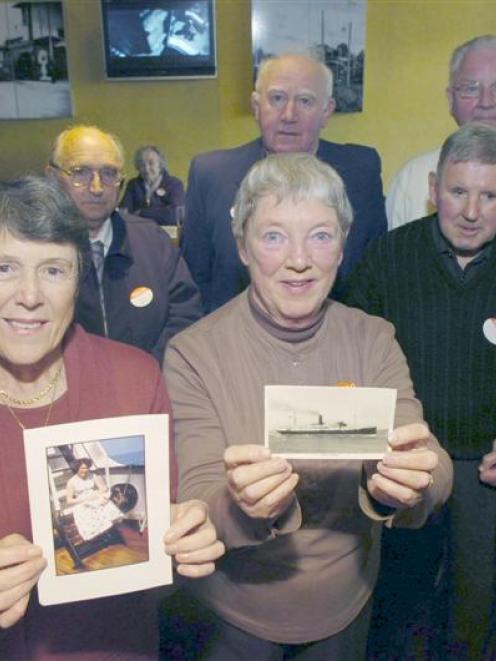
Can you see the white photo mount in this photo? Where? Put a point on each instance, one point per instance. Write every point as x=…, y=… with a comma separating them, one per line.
x=41, y=444
x=328, y=422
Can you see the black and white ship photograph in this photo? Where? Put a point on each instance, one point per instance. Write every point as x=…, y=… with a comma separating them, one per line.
x=328, y=422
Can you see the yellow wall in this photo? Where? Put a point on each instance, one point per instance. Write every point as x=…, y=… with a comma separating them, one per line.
x=407, y=51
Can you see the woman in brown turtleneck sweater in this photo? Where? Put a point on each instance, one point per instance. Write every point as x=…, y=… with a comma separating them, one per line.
x=302, y=537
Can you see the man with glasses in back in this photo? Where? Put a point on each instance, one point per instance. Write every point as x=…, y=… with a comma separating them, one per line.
x=139, y=290
x=472, y=98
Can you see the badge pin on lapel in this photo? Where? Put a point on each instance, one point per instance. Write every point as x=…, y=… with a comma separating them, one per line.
x=140, y=297
x=489, y=329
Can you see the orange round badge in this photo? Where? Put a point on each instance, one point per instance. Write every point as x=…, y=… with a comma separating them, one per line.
x=140, y=297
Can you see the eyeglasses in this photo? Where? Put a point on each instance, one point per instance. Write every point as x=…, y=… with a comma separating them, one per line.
x=474, y=89
x=83, y=176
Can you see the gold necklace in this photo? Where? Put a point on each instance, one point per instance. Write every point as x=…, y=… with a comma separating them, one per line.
x=20, y=423
x=35, y=398
x=52, y=386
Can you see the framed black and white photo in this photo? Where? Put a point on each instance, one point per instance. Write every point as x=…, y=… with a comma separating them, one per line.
x=100, y=505
x=323, y=422
x=332, y=31
x=34, y=81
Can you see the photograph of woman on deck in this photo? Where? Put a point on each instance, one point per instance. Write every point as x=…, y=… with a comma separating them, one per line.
x=94, y=511
x=98, y=498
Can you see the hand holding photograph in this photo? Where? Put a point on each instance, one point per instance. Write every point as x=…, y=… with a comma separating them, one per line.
x=92, y=512
x=323, y=422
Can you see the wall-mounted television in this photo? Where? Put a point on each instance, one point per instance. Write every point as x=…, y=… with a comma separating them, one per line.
x=148, y=39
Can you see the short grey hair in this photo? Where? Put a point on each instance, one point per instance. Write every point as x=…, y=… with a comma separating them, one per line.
x=473, y=142
x=140, y=152
x=38, y=209
x=300, y=177
x=267, y=63
x=484, y=41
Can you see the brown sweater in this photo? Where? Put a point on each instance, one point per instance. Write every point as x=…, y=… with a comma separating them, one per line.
x=307, y=575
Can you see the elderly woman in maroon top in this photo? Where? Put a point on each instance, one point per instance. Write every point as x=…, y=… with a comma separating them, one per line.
x=303, y=537
x=53, y=372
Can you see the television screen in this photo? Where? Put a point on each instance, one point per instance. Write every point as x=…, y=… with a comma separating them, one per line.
x=159, y=38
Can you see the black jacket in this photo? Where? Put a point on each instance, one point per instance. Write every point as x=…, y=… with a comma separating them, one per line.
x=207, y=240
x=141, y=255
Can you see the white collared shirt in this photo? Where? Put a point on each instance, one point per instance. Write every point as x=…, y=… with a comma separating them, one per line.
x=105, y=235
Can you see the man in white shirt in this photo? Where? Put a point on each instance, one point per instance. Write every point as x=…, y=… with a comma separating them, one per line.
x=471, y=97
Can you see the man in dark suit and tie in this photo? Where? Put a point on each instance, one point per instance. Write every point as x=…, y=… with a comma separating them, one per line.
x=292, y=103
x=140, y=290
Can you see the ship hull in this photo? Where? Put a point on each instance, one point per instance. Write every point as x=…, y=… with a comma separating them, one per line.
x=338, y=432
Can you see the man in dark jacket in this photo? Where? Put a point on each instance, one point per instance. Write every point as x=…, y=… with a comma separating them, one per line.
x=139, y=289
x=435, y=280
x=292, y=103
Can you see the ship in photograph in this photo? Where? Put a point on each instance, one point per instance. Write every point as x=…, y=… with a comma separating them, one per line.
x=98, y=508
x=320, y=427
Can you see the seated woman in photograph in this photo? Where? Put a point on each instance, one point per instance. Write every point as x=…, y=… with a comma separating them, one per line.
x=155, y=193
x=94, y=512
x=302, y=537
x=53, y=372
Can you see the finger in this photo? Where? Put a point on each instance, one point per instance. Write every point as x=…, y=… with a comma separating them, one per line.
x=187, y=517
x=241, y=477
x=282, y=493
x=14, y=539
x=488, y=461
x=9, y=598
x=392, y=493
x=416, y=435
x=20, y=573
x=201, y=556
x=255, y=492
x=13, y=614
x=275, y=502
x=196, y=571
x=18, y=553
x=245, y=454
x=412, y=460
x=489, y=474
x=413, y=479
x=203, y=536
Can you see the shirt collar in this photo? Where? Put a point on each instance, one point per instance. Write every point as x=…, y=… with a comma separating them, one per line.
x=443, y=247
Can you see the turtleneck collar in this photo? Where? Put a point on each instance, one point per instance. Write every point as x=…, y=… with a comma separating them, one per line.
x=291, y=335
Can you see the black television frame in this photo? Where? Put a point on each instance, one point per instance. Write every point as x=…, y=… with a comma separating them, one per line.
x=121, y=65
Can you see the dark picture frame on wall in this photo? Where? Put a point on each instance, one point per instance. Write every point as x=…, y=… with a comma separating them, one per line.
x=159, y=39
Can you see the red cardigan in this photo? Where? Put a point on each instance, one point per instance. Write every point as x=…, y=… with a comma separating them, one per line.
x=104, y=379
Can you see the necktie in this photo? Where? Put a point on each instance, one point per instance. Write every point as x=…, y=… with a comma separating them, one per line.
x=97, y=250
